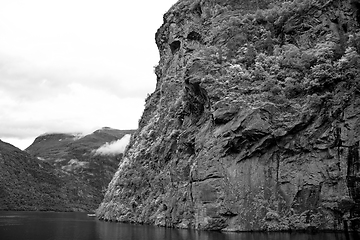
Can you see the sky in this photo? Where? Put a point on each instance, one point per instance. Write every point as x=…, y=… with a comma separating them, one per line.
x=75, y=65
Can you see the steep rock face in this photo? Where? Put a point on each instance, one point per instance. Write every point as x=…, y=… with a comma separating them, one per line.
x=254, y=123
x=75, y=158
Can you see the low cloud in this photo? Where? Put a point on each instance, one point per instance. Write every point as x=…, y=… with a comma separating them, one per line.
x=115, y=147
x=80, y=74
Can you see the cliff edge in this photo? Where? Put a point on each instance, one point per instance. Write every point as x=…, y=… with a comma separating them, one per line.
x=254, y=123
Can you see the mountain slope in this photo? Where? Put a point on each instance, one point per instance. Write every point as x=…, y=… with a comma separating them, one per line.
x=75, y=156
x=27, y=183
x=254, y=123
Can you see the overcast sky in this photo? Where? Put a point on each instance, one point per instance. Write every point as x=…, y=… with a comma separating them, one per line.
x=75, y=65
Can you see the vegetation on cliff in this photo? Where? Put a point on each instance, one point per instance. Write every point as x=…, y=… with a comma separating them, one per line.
x=254, y=123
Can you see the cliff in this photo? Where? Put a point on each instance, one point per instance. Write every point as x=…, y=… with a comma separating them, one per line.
x=254, y=123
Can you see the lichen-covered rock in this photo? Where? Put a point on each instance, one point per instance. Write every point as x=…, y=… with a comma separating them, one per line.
x=254, y=123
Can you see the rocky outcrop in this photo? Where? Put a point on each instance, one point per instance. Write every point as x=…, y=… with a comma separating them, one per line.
x=254, y=123
x=76, y=157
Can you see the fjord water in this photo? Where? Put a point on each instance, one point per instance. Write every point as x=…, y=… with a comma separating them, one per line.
x=77, y=226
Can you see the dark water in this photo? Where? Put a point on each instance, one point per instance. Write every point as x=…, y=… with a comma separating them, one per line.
x=77, y=226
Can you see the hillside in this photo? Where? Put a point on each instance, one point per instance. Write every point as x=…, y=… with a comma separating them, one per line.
x=75, y=156
x=27, y=183
x=254, y=122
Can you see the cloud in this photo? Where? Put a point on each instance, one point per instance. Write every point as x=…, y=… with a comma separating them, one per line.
x=114, y=148
x=93, y=45
x=90, y=69
x=29, y=81
x=78, y=109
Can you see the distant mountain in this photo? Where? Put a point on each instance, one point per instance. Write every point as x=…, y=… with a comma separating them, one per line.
x=59, y=172
x=76, y=157
x=27, y=183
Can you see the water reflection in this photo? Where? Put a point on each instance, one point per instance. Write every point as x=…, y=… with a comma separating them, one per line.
x=110, y=230
x=77, y=226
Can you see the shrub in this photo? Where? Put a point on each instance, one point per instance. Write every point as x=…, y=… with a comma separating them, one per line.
x=292, y=87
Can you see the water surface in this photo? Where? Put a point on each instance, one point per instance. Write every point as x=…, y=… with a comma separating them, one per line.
x=77, y=226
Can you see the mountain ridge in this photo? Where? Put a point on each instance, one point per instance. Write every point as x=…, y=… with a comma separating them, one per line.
x=63, y=170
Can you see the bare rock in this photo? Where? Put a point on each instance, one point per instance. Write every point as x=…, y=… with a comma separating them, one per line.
x=254, y=123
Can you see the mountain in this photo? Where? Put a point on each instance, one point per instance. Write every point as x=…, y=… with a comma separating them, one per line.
x=76, y=157
x=27, y=183
x=254, y=122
